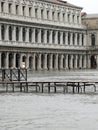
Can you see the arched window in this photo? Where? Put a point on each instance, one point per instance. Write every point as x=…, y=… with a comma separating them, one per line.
x=58, y=37
x=2, y=32
x=48, y=35
x=73, y=39
x=64, y=35
x=36, y=35
x=53, y=36
x=92, y=39
x=24, y=34
x=68, y=38
x=10, y=33
x=42, y=36
x=82, y=39
x=17, y=34
x=78, y=37
x=30, y=35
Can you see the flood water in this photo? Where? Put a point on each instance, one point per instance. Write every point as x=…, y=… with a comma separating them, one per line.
x=43, y=111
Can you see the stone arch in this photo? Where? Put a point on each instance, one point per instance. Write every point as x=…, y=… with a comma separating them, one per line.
x=17, y=33
x=64, y=61
x=78, y=59
x=93, y=38
x=36, y=62
x=10, y=60
x=74, y=57
x=42, y=61
x=17, y=60
x=3, y=32
x=58, y=37
x=30, y=62
x=36, y=35
x=48, y=36
x=3, y=60
x=48, y=61
x=30, y=35
x=69, y=61
x=24, y=34
x=42, y=36
x=24, y=58
x=59, y=58
x=53, y=61
x=93, y=61
x=10, y=33
x=73, y=38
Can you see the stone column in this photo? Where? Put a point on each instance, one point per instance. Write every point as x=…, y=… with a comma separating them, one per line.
x=27, y=61
x=33, y=11
x=84, y=39
x=0, y=32
x=61, y=17
x=20, y=60
x=0, y=8
x=61, y=38
x=71, y=42
x=50, y=36
x=61, y=62
x=75, y=18
x=88, y=61
x=70, y=17
x=14, y=60
x=50, y=62
x=0, y=59
x=6, y=7
x=80, y=39
x=33, y=65
x=66, y=42
x=45, y=62
x=27, y=10
x=6, y=32
x=71, y=62
x=56, y=37
x=80, y=61
x=97, y=60
x=50, y=14
x=76, y=39
x=45, y=13
x=84, y=65
x=33, y=35
x=39, y=12
x=80, y=19
x=39, y=36
x=56, y=62
x=7, y=60
x=20, y=34
x=20, y=9
x=27, y=34
x=13, y=8
x=66, y=18
x=76, y=63
x=14, y=34
x=39, y=62
x=66, y=61
x=45, y=36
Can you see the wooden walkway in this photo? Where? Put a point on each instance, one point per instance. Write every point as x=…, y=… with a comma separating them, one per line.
x=49, y=86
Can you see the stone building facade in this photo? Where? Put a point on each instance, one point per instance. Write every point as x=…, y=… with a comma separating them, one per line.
x=91, y=23
x=42, y=35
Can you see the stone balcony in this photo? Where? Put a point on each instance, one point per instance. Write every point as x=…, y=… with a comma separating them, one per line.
x=28, y=19
x=41, y=45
